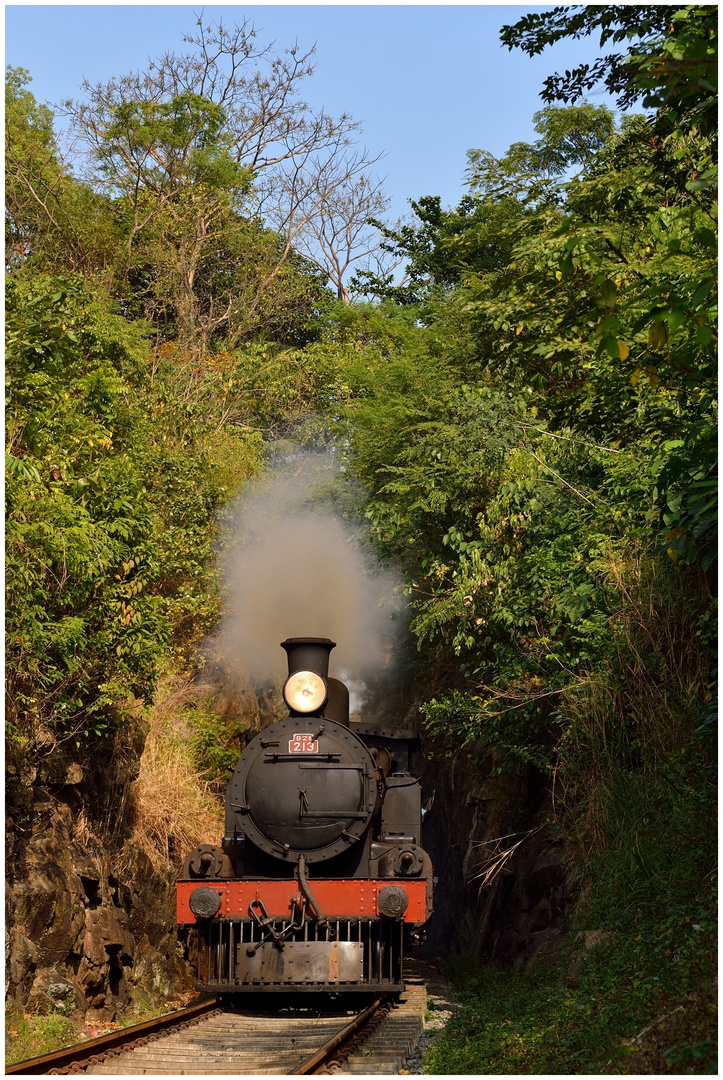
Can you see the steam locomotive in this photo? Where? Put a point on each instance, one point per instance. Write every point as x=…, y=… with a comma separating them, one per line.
x=320, y=882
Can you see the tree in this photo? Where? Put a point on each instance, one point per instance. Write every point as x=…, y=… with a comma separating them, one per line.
x=671, y=62
x=557, y=419
x=637, y=247
x=50, y=219
x=434, y=261
x=446, y=246
x=326, y=214
x=196, y=149
x=617, y=71
x=116, y=462
x=569, y=137
x=84, y=625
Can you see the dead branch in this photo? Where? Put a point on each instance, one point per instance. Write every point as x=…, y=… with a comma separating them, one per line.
x=496, y=862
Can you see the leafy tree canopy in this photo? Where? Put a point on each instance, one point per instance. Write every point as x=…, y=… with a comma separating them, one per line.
x=570, y=137
x=671, y=55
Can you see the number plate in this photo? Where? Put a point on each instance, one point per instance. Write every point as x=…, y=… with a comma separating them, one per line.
x=303, y=744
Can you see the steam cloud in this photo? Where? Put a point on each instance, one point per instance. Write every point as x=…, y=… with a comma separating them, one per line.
x=293, y=568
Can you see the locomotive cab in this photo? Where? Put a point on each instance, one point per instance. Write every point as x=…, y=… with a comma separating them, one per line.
x=321, y=880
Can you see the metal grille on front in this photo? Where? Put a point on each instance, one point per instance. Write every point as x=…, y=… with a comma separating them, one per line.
x=235, y=955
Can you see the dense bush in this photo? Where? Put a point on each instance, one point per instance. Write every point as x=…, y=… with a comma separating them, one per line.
x=115, y=466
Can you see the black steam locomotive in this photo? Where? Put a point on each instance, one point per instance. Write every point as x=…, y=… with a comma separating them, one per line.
x=320, y=882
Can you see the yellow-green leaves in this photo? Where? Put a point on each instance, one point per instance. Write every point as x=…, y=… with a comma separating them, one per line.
x=658, y=336
x=650, y=374
x=608, y=293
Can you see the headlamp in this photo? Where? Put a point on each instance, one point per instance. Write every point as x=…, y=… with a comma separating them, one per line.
x=305, y=691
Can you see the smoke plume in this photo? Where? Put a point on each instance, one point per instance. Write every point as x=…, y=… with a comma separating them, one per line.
x=294, y=568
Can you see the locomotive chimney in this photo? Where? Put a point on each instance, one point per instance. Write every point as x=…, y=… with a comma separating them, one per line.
x=308, y=654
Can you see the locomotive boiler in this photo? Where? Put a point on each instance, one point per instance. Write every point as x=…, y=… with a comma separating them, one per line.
x=320, y=882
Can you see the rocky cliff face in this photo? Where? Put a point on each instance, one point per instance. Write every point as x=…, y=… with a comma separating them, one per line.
x=90, y=923
x=482, y=822
x=518, y=918
x=506, y=883
x=85, y=929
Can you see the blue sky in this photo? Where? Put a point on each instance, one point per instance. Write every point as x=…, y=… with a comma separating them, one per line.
x=428, y=82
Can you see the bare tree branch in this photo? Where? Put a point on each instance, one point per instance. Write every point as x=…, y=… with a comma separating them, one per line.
x=226, y=99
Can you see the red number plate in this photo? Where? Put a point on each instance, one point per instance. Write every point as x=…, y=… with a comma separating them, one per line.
x=303, y=744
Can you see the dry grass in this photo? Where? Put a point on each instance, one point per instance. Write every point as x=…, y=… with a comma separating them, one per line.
x=497, y=857
x=85, y=834
x=173, y=809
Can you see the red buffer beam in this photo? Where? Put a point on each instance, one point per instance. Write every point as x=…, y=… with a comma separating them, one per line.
x=337, y=899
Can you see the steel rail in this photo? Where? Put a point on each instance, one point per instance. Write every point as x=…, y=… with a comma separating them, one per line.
x=341, y=1036
x=81, y=1052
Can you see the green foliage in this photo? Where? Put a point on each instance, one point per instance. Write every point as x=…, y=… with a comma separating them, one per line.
x=637, y=979
x=84, y=627
x=513, y=538
x=541, y=461
x=650, y=835
x=207, y=275
x=215, y=744
x=182, y=140
x=607, y=314
x=170, y=238
x=117, y=469
x=194, y=261
x=31, y=1037
x=52, y=222
x=434, y=262
x=569, y=136
x=671, y=55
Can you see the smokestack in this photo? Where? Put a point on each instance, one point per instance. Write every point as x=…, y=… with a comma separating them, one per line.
x=308, y=654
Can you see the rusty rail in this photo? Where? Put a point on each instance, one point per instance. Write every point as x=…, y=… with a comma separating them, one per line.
x=324, y=1052
x=82, y=1053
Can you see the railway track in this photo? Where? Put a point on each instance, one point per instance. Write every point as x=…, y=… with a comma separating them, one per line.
x=257, y=1038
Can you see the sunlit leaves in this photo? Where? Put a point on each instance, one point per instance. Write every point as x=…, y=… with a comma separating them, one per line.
x=117, y=465
x=592, y=346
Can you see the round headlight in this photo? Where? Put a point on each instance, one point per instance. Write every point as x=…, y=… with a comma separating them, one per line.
x=305, y=691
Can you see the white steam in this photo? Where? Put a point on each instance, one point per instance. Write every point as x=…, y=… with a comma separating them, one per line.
x=292, y=568
x=357, y=691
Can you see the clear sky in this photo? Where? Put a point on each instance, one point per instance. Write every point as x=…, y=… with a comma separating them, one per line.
x=428, y=82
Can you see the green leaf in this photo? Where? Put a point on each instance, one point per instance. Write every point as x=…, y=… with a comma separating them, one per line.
x=701, y=292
